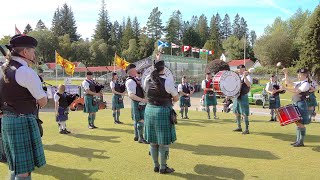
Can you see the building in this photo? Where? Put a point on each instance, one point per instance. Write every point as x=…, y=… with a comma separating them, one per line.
x=235, y=63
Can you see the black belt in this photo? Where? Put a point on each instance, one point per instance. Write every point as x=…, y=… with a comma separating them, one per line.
x=156, y=103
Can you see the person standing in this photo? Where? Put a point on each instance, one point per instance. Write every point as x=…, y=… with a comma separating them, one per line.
x=159, y=130
x=241, y=103
x=90, y=105
x=2, y=154
x=21, y=91
x=210, y=98
x=138, y=102
x=117, y=98
x=312, y=99
x=273, y=89
x=61, y=109
x=300, y=92
x=185, y=91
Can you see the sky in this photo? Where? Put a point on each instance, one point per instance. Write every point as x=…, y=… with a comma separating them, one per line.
x=257, y=13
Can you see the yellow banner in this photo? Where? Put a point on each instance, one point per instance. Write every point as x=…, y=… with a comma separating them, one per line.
x=120, y=62
x=67, y=65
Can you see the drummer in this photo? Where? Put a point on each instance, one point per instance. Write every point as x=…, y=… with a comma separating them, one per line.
x=210, y=98
x=300, y=92
x=185, y=91
x=312, y=101
x=273, y=90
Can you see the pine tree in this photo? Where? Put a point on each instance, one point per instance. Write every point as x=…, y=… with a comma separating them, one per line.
x=56, y=23
x=127, y=35
x=194, y=22
x=253, y=37
x=40, y=25
x=214, y=38
x=236, y=26
x=226, y=27
x=27, y=29
x=171, y=30
x=136, y=28
x=103, y=29
x=243, y=28
x=219, y=26
x=154, y=24
x=203, y=29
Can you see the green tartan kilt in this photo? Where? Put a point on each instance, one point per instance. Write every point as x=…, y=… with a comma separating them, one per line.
x=303, y=109
x=157, y=126
x=88, y=104
x=210, y=100
x=2, y=154
x=22, y=142
x=184, y=101
x=117, y=103
x=137, y=114
x=312, y=101
x=274, y=102
x=241, y=105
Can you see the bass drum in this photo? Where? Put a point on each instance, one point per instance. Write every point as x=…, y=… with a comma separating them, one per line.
x=147, y=71
x=227, y=83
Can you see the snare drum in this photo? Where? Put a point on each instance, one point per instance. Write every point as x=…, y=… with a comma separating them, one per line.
x=288, y=114
x=227, y=83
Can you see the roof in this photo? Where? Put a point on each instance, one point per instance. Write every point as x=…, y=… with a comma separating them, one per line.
x=97, y=69
x=239, y=62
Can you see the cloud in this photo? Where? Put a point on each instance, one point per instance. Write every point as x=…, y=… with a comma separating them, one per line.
x=274, y=5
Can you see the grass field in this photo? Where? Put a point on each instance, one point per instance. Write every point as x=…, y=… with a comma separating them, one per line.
x=205, y=149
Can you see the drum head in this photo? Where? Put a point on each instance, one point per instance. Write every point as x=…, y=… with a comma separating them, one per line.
x=230, y=83
x=167, y=72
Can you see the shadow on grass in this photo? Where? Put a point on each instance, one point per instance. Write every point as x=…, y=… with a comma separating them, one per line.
x=203, y=121
x=96, y=138
x=209, y=150
x=317, y=149
x=290, y=137
x=65, y=173
x=118, y=130
x=80, y=151
x=212, y=172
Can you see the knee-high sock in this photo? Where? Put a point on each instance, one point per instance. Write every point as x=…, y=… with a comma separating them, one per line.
x=238, y=118
x=118, y=115
x=22, y=178
x=186, y=111
x=164, y=154
x=298, y=134
x=114, y=114
x=310, y=113
x=93, y=117
x=181, y=111
x=208, y=111
x=154, y=151
x=12, y=175
x=135, y=129
x=140, y=129
x=62, y=125
x=272, y=114
x=214, y=109
x=246, y=120
x=303, y=134
x=89, y=119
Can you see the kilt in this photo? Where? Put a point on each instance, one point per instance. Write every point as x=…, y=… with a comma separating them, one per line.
x=88, y=105
x=157, y=126
x=274, y=102
x=312, y=101
x=22, y=142
x=210, y=100
x=185, y=101
x=303, y=109
x=116, y=102
x=241, y=105
x=137, y=114
x=62, y=114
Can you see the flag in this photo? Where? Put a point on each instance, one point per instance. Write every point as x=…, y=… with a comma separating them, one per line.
x=16, y=30
x=186, y=48
x=203, y=51
x=211, y=52
x=223, y=58
x=196, y=50
x=120, y=62
x=67, y=65
x=163, y=44
x=173, y=45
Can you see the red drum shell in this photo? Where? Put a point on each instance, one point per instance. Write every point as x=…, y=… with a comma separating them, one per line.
x=227, y=83
x=288, y=114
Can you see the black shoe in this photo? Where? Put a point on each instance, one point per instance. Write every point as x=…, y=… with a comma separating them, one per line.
x=209, y=117
x=299, y=144
x=135, y=138
x=156, y=169
x=68, y=132
x=120, y=122
x=238, y=130
x=246, y=131
x=143, y=141
x=294, y=143
x=271, y=120
x=181, y=117
x=90, y=126
x=186, y=117
x=166, y=170
x=94, y=126
x=63, y=132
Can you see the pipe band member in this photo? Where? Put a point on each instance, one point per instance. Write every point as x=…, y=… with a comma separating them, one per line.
x=117, y=98
x=21, y=92
x=210, y=98
x=159, y=130
x=241, y=103
x=273, y=89
x=61, y=109
x=312, y=99
x=2, y=154
x=185, y=91
x=90, y=105
x=138, y=102
x=300, y=92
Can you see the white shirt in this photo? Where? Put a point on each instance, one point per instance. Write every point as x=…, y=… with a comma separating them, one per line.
x=28, y=78
x=203, y=84
x=56, y=97
x=180, y=89
x=112, y=84
x=85, y=85
x=303, y=86
x=269, y=86
x=131, y=86
x=168, y=85
x=248, y=77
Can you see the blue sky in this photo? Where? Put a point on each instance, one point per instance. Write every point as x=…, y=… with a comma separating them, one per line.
x=257, y=13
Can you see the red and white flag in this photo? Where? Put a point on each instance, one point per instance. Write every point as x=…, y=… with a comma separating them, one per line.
x=186, y=48
x=173, y=45
x=196, y=50
x=16, y=30
x=203, y=51
x=211, y=52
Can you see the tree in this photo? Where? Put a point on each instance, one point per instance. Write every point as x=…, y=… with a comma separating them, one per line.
x=98, y=53
x=219, y=25
x=174, y=28
x=127, y=35
x=103, y=28
x=131, y=54
x=145, y=46
x=5, y=39
x=56, y=23
x=191, y=38
x=243, y=29
x=202, y=29
x=136, y=28
x=234, y=47
x=40, y=25
x=27, y=29
x=154, y=24
x=226, y=27
x=194, y=22
x=253, y=37
x=80, y=51
x=236, y=27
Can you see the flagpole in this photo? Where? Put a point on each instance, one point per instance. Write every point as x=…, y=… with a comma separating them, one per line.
x=207, y=57
x=114, y=62
x=55, y=55
x=244, y=49
x=171, y=48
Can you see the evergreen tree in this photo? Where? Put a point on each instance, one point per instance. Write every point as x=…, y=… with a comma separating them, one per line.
x=103, y=28
x=243, y=29
x=56, y=23
x=226, y=27
x=253, y=37
x=215, y=41
x=136, y=28
x=194, y=22
x=203, y=29
x=127, y=35
x=27, y=29
x=171, y=30
x=236, y=26
x=219, y=26
x=40, y=25
x=191, y=38
x=154, y=24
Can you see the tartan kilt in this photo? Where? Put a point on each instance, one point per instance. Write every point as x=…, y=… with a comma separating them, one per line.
x=274, y=103
x=62, y=114
x=116, y=104
x=303, y=109
x=210, y=100
x=241, y=105
x=137, y=114
x=2, y=154
x=22, y=142
x=157, y=126
x=184, y=102
x=88, y=105
x=312, y=101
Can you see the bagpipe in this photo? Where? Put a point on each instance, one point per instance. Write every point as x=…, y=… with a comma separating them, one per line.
x=98, y=87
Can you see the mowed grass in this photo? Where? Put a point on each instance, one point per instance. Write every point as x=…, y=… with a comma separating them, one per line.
x=205, y=149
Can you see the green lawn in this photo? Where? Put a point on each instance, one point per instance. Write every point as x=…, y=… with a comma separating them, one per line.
x=205, y=149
